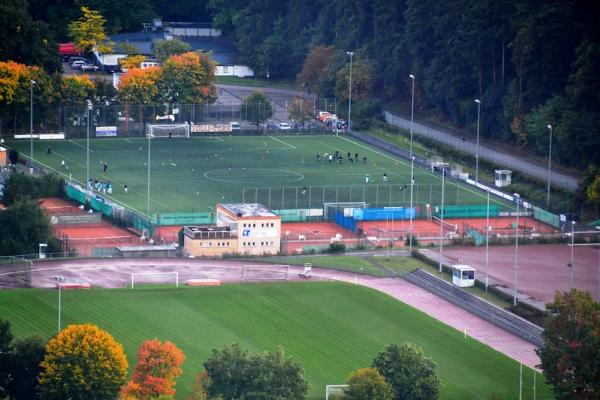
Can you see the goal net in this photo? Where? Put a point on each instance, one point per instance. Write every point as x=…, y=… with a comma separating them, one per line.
x=15, y=272
x=163, y=130
x=154, y=278
x=265, y=273
x=328, y=208
x=334, y=392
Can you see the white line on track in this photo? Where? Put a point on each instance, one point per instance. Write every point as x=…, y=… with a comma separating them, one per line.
x=77, y=144
x=421, y=170
x=282, y=142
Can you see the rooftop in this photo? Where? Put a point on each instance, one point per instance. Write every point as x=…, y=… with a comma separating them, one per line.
x=248, y=210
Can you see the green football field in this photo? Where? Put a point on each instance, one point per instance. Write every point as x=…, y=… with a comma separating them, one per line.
x=192, y=174
x=329, y=328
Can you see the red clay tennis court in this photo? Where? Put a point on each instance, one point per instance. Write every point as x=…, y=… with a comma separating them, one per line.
x=84, y=238
x=56, y=206
x=298, y=236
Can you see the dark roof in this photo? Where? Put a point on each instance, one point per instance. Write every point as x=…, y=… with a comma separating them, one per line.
x=222, y=49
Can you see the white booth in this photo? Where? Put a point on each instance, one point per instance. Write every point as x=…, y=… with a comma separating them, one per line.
x=463, y=275
x=503, y=177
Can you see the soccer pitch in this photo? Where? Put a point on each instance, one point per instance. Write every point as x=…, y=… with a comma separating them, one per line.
x=192, y=174
x=329, y=328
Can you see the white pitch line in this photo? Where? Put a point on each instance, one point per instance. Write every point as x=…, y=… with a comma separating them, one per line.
x=127, y=140
x=422, y=170
x=218, y=138
x=77, y=144
x=282, y=142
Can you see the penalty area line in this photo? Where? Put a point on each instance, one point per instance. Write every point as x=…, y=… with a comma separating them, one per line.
x=282, y=142
x=77, y=144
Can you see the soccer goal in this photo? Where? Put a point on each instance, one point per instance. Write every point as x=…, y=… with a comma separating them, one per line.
x=154, y=278
x=168, y=130
x=265, y=273
x=334, y=391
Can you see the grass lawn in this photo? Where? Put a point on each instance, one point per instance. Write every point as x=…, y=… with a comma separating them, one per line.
x=190, y=175
x=360, y=265
x=329, y=328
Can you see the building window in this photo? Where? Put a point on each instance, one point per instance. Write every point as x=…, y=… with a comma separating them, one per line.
x=218, y=244
x=253, y=243
x=272, y=224
x=254, y=225
x=244, y=225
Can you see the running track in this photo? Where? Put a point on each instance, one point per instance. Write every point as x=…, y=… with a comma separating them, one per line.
x=113, y=273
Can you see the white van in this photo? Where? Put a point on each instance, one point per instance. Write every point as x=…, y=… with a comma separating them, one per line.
x=235, y=126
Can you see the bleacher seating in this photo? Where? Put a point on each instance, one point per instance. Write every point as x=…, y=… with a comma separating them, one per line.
x=496, y=315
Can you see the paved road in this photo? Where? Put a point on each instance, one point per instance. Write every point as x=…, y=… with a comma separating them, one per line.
x=116, y=273
x=500, y=157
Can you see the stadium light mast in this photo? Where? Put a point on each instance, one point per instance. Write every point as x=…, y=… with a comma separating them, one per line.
x=477, y=144
x=487, y=241
x=412, y=113
x=148, y=184
x=518, y=198
x=59, y=304
x=32, y=82
x=350, y=53
x=549, y=165
x=412, y=184
x=87, y=150
x=570, y=265
x=442, y=216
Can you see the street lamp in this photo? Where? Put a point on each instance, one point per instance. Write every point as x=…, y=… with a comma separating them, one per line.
x=350, y=53
x=412, y=113
x=487, y=241
x=87, y=149
x=570, y=265
x=31, y=121
x=148, y=200
x=477, y=144
x=518, y=199
x=412, y=184
x=549, y=165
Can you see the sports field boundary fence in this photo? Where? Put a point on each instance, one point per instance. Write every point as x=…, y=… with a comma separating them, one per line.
x=15, y=272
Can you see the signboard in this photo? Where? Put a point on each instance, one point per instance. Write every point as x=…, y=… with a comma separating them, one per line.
x=182, y=218
x=211, y=128
x=106, y=131
x=382, y=214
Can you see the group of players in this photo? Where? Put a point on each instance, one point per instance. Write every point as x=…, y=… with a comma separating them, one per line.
x=339, y=158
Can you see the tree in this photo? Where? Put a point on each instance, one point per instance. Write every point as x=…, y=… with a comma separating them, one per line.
x=27, y=355
x=256, y=108
x=158, y=365
x=188, y=78
x=367, y=384
x=5, y=356
x=140, y=86
x=23, y=227
x=593, y=191
x=82, y=362
x=76, y=89
x=317, y=60
x=571, y=349
x=132, y=61
x=88, y=31
x=301, y=109
x=163, y=49
x=363, y=80
x=231, y=373
x=409, y=372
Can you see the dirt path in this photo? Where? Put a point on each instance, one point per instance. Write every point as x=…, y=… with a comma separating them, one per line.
x=117, y=273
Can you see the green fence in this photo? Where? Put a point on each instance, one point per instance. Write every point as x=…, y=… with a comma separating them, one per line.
x=546, y=217
x=476, y=211
x=301, y=215
x=183, y=218
x=75, y=194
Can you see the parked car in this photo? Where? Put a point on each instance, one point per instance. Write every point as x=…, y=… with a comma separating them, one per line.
x=285, y=126
x=77, y=64
x=235, y=126
x=89, y=67
x=77, y=58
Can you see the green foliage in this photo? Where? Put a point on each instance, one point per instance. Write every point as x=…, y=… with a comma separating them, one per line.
x=22, y=186
x=27, y=355
x=301, y=109
x=232, y=373
x=188, y=78
x=5, y=357
x=593, y=191
x=336, y=247
x=13, y=156
x=82, y=362
x=256, y=108
x=164, y=49
x=367, y=384
x=88, y=31
x=364, y=112
x=572, y=346
x=410, y=373
x=23, y=227
x=363, y=80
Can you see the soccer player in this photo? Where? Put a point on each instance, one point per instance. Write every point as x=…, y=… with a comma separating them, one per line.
x=125, y=188
x=385, y=176
x=356, y=157
x=62, y=164
x=49, y=151
x=104, y=168
x=364, y=159
x=318, y=156
x=366, y=178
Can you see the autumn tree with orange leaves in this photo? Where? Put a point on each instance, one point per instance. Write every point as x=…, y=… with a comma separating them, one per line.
x=76, y=89
x=154, y=375
x=188, y=78
x=82, y=362
x=139, y=85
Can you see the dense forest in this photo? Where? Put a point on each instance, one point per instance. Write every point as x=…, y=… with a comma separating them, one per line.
x=531, y=62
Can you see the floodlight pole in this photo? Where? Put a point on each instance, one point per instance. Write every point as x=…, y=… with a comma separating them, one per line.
x=31, y=122
x=477, y=144
x=148, y=184
x=549, y=165
x=59, y=305
x=87, y=151
x=350, y=53
x=518, y=198
x=487, y=242
x=412, y=113
x=412, y=184
x=442, y=217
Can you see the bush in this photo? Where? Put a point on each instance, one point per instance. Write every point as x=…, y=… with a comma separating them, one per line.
x=13, y=156
x=363, y=114
x=336, y=247
x=20, y=186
